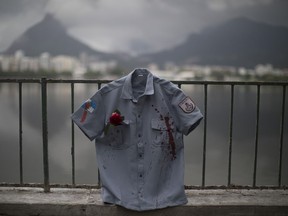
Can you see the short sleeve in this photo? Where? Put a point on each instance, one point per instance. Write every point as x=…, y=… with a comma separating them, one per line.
x=185, y=111
x=90, y=116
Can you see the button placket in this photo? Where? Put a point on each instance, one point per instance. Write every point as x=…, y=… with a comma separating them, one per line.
x=140, y=153
x=141, y=174
x=140, y=148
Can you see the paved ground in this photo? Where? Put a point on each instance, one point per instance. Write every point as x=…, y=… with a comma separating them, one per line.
x=62, y=201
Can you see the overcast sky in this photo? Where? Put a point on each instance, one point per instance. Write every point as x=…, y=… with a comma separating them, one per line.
x=134, y=26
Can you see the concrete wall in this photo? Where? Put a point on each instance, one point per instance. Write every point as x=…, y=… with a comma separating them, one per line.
x=80, y=202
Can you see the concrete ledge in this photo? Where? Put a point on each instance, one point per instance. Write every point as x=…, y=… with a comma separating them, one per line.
x=80, y=202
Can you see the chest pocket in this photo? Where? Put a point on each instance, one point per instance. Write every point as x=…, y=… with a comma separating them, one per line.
x=164, y=134
x=117, y=137
x=161, y=133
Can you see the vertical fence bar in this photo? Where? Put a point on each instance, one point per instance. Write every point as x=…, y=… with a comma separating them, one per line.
x=256, y=136
x=231, y=134
x=72, y=136
x=45, y=134
x=99, y=179
x=20, y=134
x=205, y=136
x=281, y=135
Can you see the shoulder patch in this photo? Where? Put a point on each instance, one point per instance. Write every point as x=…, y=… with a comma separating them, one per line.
x=89, y=105
x=187, y=105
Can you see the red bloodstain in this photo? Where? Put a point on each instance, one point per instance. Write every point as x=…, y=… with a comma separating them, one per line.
x=171, y=138
x=172, y=144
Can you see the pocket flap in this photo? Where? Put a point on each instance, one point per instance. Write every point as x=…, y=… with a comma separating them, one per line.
x=160, y=125
x=126, y=122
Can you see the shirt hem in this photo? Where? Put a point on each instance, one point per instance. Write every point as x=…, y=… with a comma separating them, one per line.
x=137, y=207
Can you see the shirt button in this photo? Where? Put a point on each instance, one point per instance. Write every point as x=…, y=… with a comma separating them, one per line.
x=139, y=116
x=140, y=175
x=139, y=135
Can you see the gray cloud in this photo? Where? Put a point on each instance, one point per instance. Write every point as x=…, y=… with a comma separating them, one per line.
x=12, y=7
x=16, y=16
x=221, y=5
x=134, y=26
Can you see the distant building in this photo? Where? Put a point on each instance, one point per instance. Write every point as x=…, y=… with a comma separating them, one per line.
x=84, y=59
x=170, y=66
x=44, y=61
x=19, y=54
x=263, y=69
x=64, y=63
x=102, y=66
x=34, y=64
x=4, y=63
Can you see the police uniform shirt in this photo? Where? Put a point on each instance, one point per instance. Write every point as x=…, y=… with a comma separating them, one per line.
x=141, y=161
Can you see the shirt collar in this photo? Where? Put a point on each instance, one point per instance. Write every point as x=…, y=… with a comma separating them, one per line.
x=127, y=92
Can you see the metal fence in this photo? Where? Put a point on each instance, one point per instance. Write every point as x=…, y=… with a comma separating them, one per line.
x=205, y=84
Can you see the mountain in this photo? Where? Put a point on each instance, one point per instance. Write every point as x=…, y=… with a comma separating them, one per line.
x=238, y=42
x=50, y=36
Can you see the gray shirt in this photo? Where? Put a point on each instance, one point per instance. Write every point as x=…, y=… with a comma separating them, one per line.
x=141, y=160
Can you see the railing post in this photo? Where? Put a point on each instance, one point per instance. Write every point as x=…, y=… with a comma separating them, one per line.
x=98, y=172
x=45, y=134
x=256, y=136
x=231, y=134
x=281, y=136
x=205, y=136
x=20, y=134
x=72, y=136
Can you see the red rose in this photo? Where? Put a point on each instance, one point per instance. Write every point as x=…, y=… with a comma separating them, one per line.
x=116, y=119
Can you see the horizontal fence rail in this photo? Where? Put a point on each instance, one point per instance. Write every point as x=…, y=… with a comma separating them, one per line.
x=43, y=82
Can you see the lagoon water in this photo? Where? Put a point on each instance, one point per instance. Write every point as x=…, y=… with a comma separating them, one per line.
x=218, y=112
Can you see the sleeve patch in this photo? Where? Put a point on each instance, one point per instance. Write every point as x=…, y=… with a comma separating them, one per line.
x=88, y=106
x=187, y=105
